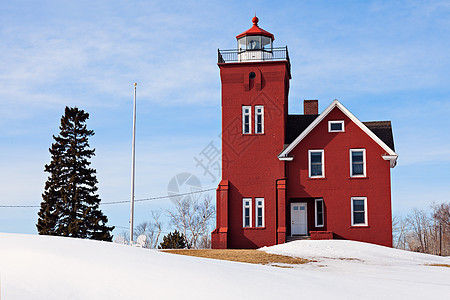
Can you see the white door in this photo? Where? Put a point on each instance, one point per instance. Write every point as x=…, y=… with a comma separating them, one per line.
x=299, y=219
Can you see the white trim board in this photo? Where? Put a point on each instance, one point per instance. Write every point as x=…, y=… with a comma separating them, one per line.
x=391, y=155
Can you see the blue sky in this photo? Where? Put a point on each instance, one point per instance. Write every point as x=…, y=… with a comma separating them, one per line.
x=381, y=60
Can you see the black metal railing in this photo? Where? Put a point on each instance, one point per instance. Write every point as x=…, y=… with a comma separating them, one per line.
x=228, y=56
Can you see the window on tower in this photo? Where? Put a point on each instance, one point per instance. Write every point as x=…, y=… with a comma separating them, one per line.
x=254, y=43
x=259, y=119
x=246, y=115
x=259, y=212
x=247, y=212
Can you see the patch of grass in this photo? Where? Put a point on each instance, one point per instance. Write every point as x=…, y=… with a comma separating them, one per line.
x=242, y=255
x=349, y=258
x=344, y=258
x=439, y=265
x=282, y=266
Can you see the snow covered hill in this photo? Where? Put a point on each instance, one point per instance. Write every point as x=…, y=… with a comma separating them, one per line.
x=43, y=267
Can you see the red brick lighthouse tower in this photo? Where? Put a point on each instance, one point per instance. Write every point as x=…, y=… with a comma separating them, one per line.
x=251, y=196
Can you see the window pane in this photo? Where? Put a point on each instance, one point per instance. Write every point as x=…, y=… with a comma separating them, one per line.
x=319, y=206
x=259, y=123
x=319, y=219
x=336, y=126
x=246, y=124
x=266, y=42
x=316, y=170
x=357, y=169
x=295, y=207
x=247, y=215
x=316, y=157
x=253, y=43
x=358, y=218
x=358, y=205
x=302, y=208
x=357, y=156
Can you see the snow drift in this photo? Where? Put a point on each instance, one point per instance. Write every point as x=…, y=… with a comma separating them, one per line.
x=44, y=267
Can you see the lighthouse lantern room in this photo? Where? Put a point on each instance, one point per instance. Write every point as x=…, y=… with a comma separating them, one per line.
x=254, y=45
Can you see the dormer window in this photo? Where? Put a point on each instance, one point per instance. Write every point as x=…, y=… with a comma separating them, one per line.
x=336, y=126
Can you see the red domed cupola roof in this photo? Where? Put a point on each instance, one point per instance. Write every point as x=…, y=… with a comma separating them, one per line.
x=255, y=30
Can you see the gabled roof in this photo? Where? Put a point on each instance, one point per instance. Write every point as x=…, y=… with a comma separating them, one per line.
x=296, y=124
x=256, y=30
x=299, y=126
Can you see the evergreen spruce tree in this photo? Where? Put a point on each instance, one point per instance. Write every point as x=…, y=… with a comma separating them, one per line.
x=70, y=205
x=175, y=240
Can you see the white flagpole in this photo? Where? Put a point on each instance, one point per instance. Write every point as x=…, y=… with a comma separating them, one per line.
x=133, y=167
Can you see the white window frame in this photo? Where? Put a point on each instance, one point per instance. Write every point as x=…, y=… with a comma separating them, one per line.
x=262, y=211
x=256, y=119
x=249, y=114
x=336, y=122
x=364, y=163
x=323, y=163
x=323, y=212
x=366, y=221
x=249, y=206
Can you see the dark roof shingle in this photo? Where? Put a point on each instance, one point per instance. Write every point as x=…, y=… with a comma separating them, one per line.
x=383, y=130
x=296, y=124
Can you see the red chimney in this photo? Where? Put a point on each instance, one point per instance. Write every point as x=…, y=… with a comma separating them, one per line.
x=310, y=107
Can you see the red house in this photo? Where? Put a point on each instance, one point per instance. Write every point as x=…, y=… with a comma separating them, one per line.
x=321, y=175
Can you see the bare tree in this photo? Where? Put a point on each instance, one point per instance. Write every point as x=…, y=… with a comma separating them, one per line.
x=399, y=233
x=441, y=216
x=420, y=224
x=192, y=218
x=424, y=231
x=151, y=230
x=122, y=238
